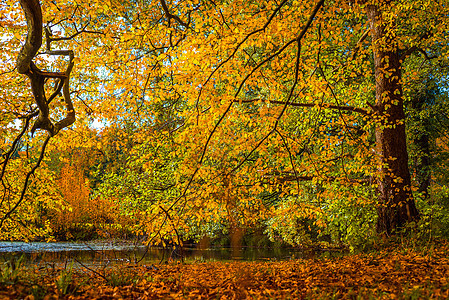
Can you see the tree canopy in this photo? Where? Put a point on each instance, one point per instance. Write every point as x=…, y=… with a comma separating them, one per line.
x=291, y=116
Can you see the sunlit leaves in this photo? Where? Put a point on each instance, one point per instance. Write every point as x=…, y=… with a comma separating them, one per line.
x=216, y=115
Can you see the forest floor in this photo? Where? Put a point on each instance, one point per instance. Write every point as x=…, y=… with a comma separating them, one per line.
x=394, y=273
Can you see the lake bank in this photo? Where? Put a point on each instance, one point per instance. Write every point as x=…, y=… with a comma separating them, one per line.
x=390, y=273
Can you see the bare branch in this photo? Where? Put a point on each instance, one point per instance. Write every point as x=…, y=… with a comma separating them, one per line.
x=320, y=105
x=416, y=49
x=298, y=41
x=238, y=47
x=27, y=179
x=359, y=44
x=33, y=15
x=290, y=156
x=7, y=72
x=50, y=39
x=172, y=16
x=174, y=227
x=13, y=148
x=38, y=79
x=326, y=178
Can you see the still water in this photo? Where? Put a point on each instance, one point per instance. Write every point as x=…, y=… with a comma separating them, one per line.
x=104, y=253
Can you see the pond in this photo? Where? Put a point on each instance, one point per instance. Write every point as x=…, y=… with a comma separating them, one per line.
x=103, y=253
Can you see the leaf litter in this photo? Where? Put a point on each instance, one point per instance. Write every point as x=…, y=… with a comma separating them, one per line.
x=386, y=274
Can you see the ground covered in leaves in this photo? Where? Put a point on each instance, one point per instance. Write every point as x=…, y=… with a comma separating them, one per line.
x=387, y=274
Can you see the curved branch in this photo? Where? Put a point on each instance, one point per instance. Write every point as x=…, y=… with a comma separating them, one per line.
x=27, y=180
x=33, y=15
x=26, y=66
x=70, y=117
x=8, y=154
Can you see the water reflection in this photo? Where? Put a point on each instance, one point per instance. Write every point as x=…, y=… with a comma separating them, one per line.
x=104, y=253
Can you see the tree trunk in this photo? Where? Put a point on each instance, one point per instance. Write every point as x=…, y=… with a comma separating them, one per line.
x=396, y=204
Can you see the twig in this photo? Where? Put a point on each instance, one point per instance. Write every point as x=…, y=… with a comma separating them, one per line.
x=25, y=185
x=92, y=270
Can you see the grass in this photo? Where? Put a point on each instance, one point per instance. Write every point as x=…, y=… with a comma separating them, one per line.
x=11, y=270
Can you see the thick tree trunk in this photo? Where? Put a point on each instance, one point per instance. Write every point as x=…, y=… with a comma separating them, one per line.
x=396, y=204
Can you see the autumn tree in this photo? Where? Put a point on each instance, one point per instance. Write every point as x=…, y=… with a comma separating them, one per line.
x=391, y=42
x=36, y=112
x=295, y=108
x=389, y=48
x=250, y=82
x=394, y=186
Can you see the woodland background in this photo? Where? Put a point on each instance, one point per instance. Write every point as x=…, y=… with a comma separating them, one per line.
x=283, y=120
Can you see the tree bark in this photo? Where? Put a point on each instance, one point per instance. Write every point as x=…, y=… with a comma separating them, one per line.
x=396, y=205
x=25, y=65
